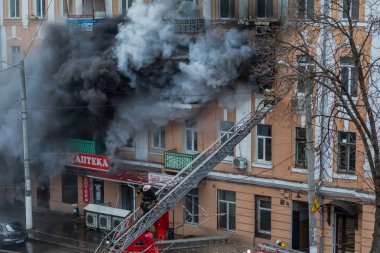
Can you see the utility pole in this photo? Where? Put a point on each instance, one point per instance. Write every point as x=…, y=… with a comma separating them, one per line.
x=310, y=168
x=28, y=185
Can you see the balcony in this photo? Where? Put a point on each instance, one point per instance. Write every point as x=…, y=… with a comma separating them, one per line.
x=175, y=160
x=189, y=26
x=85, y=146
x=83, y=23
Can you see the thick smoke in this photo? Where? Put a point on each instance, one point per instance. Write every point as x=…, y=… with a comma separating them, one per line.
x=111, y=83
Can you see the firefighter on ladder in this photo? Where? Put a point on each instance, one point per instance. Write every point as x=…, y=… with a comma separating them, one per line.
x=148, y=198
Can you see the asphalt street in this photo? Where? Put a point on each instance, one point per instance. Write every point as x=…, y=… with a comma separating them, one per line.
x=32, y=246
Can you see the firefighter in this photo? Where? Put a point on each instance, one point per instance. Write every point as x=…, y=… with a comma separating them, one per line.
x=148, y=198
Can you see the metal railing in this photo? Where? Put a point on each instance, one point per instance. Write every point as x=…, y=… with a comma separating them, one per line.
x=175, y=160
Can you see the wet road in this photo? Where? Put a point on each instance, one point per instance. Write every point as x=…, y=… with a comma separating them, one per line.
x=35, y=247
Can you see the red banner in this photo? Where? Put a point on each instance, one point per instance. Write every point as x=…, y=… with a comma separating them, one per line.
x=86, y=190
x=89, y=161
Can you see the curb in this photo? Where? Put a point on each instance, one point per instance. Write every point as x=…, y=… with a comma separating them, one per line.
x=61, y=244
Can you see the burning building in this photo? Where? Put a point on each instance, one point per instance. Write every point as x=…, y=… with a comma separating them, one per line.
x=123, y=93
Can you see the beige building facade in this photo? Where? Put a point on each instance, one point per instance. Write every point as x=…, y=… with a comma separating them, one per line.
x=258, y=193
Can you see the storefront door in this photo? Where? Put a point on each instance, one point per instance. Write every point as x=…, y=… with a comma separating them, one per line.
x=98, y=191
x=43, y=194
x=127, y=197
x=300, y=226
x=345, y=233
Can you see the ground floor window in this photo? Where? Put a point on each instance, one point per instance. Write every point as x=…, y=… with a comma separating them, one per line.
x=263, y=216
x=226, y=210
x=69, y=188
x=191, y=209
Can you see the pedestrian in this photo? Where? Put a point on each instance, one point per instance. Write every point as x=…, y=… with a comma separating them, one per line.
x=148, y=198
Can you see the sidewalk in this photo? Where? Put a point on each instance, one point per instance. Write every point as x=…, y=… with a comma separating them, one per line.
x=57, y=228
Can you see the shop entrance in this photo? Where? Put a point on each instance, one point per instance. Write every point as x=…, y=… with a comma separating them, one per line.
x=43, y=194
x=345, y=233
x=300, y=226
x=127, y=197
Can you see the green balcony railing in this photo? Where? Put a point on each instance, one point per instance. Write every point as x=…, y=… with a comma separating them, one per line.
x=85, y=146
x=175, y=160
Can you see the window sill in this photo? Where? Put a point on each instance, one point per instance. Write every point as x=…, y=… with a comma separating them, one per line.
x=262, y=164
x=192, y=224
x=14, y=18
x=299, y=170
x=262, y=235
x=226, y=230
x=156, y=151
x=345, y=176
x=229, y=159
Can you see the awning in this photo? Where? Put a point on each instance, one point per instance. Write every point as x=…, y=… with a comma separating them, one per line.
x=121, y=172
x=350, y=208
x=128, y=176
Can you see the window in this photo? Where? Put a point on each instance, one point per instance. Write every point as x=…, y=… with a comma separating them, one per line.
x=226, y=8
x=14, y=8
x=305, y=9
x=130, y=142
x=263, y=216
x=350, y=9
x=300, y=147
x=346, y=152
x=99, y=6
x=191, y=209
x=305, y=71
x=349, y=76
x=39, y=8
x=264, y=143
x=159, y=138
x=191, y=137
x=225, y=131
x=125, y=5
x=67, y=7
x=264, y=8
x=15, y=56
x=226, y=210
x=69, y=188
x=98, y=191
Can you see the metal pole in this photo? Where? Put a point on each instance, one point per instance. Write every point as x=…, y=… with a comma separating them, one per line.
x=310, y=169
x=28, y=186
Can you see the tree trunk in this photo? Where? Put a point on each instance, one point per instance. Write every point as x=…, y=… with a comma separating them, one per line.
x=376, y=232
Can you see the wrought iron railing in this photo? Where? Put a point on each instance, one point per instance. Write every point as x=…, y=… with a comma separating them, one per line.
x=188, y=26
x=175, y=160
x=83, y=24
x=85, y=146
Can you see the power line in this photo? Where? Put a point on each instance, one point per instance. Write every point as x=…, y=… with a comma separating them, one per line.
x=38, y=29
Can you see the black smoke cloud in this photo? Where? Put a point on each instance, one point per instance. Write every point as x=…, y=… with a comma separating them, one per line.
x=110, y=83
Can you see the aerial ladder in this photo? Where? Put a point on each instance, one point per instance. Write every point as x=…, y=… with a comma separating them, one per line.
x=136, y=224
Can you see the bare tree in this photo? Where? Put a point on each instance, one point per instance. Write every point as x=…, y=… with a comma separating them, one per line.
x=335, y=48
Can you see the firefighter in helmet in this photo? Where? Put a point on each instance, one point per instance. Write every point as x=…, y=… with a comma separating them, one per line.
x=148, y=198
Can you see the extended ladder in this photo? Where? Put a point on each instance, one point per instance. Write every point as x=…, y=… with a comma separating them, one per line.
x=188, y=178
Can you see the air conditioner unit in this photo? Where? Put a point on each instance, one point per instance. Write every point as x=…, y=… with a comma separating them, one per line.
x=116, y=221
x=297, y=104
x=104, y=222
x=240, y=163
x=91, y=219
